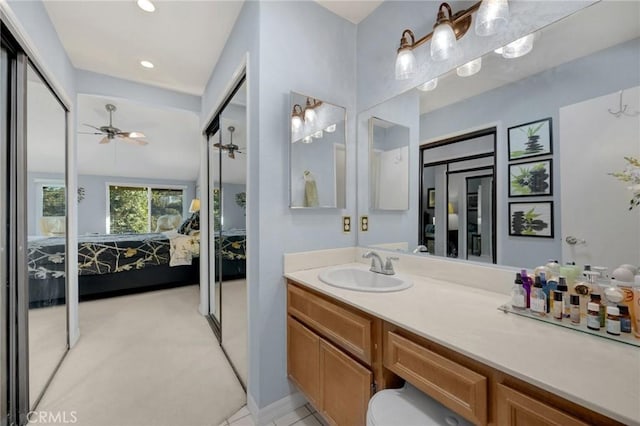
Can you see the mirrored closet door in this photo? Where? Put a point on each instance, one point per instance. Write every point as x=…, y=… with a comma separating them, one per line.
x=47, y=233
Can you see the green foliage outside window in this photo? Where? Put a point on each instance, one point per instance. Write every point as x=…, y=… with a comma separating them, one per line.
x=53, y=201
x=217, y=212
x=128, y=210
x=165, y=201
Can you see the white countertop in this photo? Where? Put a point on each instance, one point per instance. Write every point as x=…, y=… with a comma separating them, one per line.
x=601, y=375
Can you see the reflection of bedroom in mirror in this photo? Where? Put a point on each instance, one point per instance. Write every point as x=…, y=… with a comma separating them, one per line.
x=227, y=182
x=47, y=233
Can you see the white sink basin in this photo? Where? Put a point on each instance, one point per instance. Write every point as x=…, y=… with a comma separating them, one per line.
x=353, y=278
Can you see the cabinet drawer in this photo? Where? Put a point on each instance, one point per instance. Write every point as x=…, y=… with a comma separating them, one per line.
x=455, y=386
x=518, y=409
x=347, y=329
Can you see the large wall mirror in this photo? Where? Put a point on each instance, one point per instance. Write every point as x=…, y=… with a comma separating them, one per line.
x=562, y=117
x=317, y=154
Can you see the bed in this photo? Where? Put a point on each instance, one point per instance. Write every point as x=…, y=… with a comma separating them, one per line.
x=112, y=264
x=232, y=245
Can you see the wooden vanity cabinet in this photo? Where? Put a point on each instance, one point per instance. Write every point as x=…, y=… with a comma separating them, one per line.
x=334, y=355
x=338, y=356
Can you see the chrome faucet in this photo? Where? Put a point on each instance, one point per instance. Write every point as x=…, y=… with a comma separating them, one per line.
x=421, y=249
x=378, y=267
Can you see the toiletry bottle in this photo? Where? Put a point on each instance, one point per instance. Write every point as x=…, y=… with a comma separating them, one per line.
x=538, y=300
x=549, y=288
x=583, y=288
x=593, y=316
x=554, y=269
x=558, y=305
x=518, y=295
x=613, y=320
x=625, y=319
x=570, y=271
x=564, y=290
x=602, y=279
x=626, y=288
x=527, y=282
x=596, y=299
x=542, y=276
x=575, y=309
x=612, y=294
x=636, y=306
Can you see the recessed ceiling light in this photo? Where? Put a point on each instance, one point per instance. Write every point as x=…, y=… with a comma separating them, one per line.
x=146, y=64
x=146, y=5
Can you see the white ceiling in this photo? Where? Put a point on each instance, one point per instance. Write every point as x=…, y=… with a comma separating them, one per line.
x=173, y=135
x=354, y=11
x=183, y=39
x=569, y=39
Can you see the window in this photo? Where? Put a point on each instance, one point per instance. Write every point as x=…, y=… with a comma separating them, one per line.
x=53, y=200
x=136, y=209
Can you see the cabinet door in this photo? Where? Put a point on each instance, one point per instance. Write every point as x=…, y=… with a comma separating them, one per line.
x=303, y=355
x=518, y=409
x=345, y=387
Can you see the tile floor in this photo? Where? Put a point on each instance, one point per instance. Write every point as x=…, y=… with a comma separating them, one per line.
x=303, y=416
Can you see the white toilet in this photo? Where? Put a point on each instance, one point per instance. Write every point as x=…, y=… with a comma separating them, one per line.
x=408, y=406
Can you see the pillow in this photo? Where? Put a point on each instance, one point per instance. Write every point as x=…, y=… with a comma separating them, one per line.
x=191, y=224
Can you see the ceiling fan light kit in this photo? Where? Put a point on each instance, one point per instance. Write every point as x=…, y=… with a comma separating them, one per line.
x=231, y=148
x=110, y=132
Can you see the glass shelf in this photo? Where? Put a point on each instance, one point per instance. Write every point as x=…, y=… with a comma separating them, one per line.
x=626, y=338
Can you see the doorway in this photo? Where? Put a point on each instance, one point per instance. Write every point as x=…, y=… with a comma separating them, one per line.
x=457, y=197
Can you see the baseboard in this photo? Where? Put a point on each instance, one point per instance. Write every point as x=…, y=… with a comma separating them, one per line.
x=276, y=409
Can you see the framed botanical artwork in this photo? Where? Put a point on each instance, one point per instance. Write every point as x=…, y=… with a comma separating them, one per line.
x=533, y=219
x=530, y=139
x=431, y=198
x=533, y=178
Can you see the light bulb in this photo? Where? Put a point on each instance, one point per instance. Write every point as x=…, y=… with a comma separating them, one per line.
x=443, y=42
x=429, y=85
x=296, y=123
x=492, y=17
x=518, y=48
x=310, y=116
x=499, y=50
x=146, y=5
x=470, y=68
x=405, y=64
x=307, y=139
x=318, y=134
x=330, y=129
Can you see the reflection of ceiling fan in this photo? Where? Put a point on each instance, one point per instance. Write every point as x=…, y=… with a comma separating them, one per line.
x=111, y=132
x=231, y=148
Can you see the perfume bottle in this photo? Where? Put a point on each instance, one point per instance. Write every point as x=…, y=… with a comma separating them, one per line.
x=538, y=299
x=518, y=295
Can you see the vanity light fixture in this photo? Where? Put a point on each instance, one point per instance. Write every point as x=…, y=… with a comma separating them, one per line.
x=318, y=134
x=448, y=28
x=518, y=48
x=307, y=139
x=310, y=114
x=330, y=129
x=146, y=5
x=470, y=68
x=147, y=64
x=297, y=118
x=429, y=85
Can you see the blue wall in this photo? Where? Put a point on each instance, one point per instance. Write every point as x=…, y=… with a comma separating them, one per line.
x=536, y=97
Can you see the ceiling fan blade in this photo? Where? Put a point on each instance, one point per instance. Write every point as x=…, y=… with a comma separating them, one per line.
x=132, y=135
x=93, y=127
x=104, y=140
x=218, y=145
x=139, y=142
x=90, y=133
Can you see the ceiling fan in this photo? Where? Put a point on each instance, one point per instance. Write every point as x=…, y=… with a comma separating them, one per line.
x=231, y=148
x=111, y=132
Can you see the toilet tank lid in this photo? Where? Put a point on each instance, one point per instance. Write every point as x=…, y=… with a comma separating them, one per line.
x=409, y=406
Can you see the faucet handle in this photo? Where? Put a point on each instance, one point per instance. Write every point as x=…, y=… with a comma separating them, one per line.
x=388, y=265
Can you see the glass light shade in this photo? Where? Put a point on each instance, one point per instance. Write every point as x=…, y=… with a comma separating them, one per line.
x=429, y=85
x=443, y=42
x=492, y=17
x=518, y=48
x=499, y=50
x=296, y=123
x=318, y=134
x=146, y=5
x=310, y=116
x=470, y=68
x=453, y=221
x=330, y=129
x=405, y=64
x=307, y=139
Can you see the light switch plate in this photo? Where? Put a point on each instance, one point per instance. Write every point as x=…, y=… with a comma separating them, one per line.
x=346, y=224
x=364, y=223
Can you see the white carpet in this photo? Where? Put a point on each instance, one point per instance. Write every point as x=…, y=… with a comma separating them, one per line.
x=146, y=359
x=234, y=324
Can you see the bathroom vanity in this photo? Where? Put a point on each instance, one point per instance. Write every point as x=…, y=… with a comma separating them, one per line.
x=452, y=343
